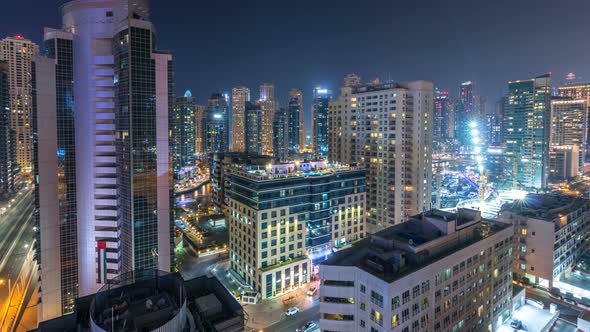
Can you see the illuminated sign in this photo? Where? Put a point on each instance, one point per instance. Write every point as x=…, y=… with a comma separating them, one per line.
x=217, y=116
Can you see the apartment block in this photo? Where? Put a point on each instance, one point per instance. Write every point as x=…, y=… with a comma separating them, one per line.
x=551, y=232
x=439, y=271
x=387, y=128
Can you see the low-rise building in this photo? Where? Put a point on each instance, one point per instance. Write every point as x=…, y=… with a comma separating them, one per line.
x=439, y=271
x=551, y=232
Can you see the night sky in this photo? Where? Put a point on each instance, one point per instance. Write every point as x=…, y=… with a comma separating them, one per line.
x=221, y=44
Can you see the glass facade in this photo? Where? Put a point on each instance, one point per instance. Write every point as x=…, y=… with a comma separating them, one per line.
x=62, y=51
x=279, y=139
x=294, y=113
x=320, y=123
x=183, y=132
x=253, y=129
x=216, y=125
x=136, y=147
x=526, y=128
x=8, y=164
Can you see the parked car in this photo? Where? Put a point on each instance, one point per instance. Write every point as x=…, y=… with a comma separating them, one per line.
x=516, y=324
x=309, y=326
x=292, y=311
x=312, y=291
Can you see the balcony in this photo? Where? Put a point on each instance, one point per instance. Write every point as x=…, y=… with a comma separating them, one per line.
x=337, y=291
x=337, y=325
x=341, y=308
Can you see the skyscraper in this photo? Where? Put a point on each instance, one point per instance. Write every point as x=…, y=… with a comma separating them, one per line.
x=216, y=135
x=200, y=117
x=183, y=132
x=465, y=112
x=280, y=135
x=387, y=128
x=577, y=91
x=320, y=105
x=55, y=170
x=18, y=52
x=268, y=105
x=527, y=118
x=104, y=188
x=493, y=124
x=8, y=165
x=267, y=91
x=253, y=133
x=569, y=120
x=240, y=96
x=444, y=116
x=294, y=115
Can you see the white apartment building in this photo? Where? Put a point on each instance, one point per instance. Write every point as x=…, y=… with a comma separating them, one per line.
x=386, y=128
x=439, y=271
x=551, y=232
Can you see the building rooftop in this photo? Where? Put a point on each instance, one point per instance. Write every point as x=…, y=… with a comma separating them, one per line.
x=545, y=206
x=402, y=249
x=270, y=171
x=154, y=300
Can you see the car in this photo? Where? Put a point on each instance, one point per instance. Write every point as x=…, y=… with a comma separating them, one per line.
x=292, y=311
x=516, y=324
x=312, y=291
x=309, y=326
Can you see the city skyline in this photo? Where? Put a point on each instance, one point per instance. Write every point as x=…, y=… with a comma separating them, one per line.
x=295, y=166
x=470, y=39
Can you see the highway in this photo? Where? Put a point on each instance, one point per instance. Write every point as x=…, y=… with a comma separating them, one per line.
x=16, y=237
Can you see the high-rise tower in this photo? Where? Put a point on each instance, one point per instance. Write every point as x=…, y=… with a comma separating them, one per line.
x=183, y=132
x=294, y=115
x=240, y=96
x=18, y=52
x=104, y=187
x=526, y=129
x=8, y=165
x=216, y=135
x=321, y=100
x=268, y=105
x=387, y=128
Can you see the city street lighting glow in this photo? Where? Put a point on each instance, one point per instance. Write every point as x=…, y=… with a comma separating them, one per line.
x=472, y=124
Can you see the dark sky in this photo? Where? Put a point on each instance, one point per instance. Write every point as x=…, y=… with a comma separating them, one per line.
x=220, y=44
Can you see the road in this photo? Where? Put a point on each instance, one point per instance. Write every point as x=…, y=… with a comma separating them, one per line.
x=290, y=324
x=16, y=236
x=191, y=266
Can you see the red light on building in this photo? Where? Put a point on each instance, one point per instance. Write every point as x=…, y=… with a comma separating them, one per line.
x=19, y=36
